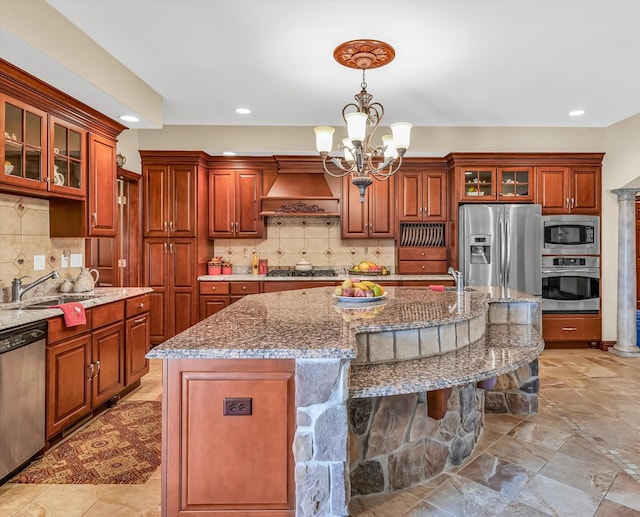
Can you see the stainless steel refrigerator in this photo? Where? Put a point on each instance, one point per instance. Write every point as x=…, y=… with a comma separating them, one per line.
x=500, y=245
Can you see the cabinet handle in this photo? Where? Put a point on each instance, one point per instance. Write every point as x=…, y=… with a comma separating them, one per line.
x=97, y=368
x=165, y=226
x=170, y=226
x=232, y=223
x=140, y=305
x=140, y=320
x=573, y=202
x=90, y=367
x=237, y=226
x=171, y=247
x=566, y=204
x=94, y=219
x=570, y=328
x=165, y=247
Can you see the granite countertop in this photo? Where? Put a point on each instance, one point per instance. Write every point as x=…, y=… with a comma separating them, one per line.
x=309, y=323
x=502, y=349
x=12, y=316
x=338, y=278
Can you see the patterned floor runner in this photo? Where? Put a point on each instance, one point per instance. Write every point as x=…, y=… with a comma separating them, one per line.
x=121, y=446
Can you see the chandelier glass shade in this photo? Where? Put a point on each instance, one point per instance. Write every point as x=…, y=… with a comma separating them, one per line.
x=360, y=158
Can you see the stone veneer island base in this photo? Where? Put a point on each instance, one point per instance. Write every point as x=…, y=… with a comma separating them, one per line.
x=290, y=404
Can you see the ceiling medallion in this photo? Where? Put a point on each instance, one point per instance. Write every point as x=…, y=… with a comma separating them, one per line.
x=364, y=54
x=363, y=160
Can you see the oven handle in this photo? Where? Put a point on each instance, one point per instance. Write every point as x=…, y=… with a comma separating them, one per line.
x=569, y=271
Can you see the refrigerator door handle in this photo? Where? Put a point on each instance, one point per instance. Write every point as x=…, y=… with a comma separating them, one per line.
x=507, y=245
x=501, y=248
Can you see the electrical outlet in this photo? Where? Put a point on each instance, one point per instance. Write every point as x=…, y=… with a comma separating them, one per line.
x=38, y=262
x=76, y=260
x=64, y=261
x=237, y=407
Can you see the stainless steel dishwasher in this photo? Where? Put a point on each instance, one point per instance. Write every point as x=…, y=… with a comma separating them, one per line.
x=22, y=395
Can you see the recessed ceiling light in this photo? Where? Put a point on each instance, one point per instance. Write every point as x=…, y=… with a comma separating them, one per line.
x=576, y=113
x=228, y=153
x=129, y=118
x=243, y=111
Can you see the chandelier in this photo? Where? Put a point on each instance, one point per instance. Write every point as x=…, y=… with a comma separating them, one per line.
x=361, y=160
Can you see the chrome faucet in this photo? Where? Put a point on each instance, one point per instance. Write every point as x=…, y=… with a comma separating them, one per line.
x=457, y=276
x=17, y=289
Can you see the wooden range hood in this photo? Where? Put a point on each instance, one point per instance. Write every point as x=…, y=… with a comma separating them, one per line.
x=300, y=188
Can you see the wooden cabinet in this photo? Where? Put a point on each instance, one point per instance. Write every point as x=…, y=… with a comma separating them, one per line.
x=85, y=365
x=170, y=206
x=509, y=184
x=137, y=338
x=238, y=290
x=423, y=196
x=373, y=218
x=170, y=269
x=419, y=261
x=214, y=296
x=564, y=330
x=175, y=247
x=24, y=145
x=102, y=197
x=68, y=159
x=253, y=471
x=569, y=190
x=234, y=203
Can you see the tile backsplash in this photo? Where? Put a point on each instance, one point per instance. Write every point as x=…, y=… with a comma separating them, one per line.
x=24, y=233
x=316, y=239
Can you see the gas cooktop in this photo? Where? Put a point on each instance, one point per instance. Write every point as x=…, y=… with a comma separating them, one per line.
x=294, y=272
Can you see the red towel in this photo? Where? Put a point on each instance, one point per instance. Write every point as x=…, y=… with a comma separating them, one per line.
x=439, y=288
x=73, y=313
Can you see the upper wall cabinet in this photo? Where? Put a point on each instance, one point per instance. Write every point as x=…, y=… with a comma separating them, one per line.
x=234, y=203
x=55, y=147
x=569, y=190
x=24, y=145
x=170, y=200
x=496, y=184
x=423, y=196
x=373, y=218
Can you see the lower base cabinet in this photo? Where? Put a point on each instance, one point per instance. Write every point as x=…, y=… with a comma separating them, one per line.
x=566, y=330
x=137, y=341
x=228, y=434
x=89, y=364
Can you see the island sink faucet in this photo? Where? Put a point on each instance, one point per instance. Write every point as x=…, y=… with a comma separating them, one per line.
x=17, y=289
x=457, y=276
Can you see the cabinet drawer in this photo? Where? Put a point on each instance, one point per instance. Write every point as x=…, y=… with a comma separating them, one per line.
x=214, y=287
x=571, y=329
x=415, y=267
x=58, y=331
x=137, y=305
x=108, y=313
x=422, y=254
x=245, y=287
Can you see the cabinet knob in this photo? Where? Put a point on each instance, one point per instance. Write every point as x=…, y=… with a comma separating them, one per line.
x=213, y=287
x=422, y=267
x=422, y=254
x=140, y=305
x=244, y=287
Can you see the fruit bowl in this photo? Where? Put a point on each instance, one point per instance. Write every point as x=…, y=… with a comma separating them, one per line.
x=352, y=313
x=359, y=299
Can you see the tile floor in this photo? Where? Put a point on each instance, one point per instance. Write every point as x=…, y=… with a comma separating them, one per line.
x=578, y=456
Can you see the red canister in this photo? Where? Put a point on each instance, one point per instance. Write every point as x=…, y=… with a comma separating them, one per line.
x=263, y=267
x=214, y=268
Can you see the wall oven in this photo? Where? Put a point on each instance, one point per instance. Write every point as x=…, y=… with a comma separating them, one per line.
x=571, y=285
x=570, y=235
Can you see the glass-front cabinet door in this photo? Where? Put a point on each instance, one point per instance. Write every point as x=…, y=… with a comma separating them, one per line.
x=67, y=158
x=515, y=184
x=23, y=144
x=478, y=184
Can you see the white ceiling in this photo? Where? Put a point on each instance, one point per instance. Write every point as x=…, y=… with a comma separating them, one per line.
x=458, y=62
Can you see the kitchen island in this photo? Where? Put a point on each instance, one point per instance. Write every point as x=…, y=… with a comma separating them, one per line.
x=290, y=403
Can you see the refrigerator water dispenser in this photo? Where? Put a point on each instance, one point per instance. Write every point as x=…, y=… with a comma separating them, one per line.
x=480, y=249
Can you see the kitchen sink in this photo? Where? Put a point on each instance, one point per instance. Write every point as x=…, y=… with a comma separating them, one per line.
x=55, y=301
x=453, y=289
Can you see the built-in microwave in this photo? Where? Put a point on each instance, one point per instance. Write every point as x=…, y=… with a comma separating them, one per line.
x=570, y=235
